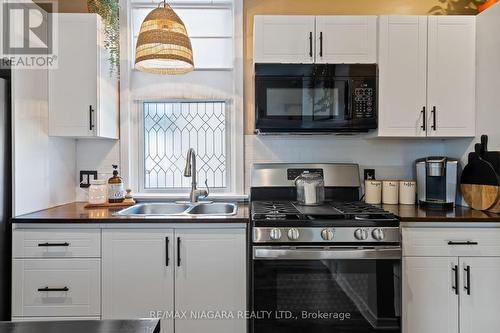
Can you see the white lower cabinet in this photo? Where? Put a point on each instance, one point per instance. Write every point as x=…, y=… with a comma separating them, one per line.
x=454, y=293
x=183, y=275
x=56, y=287
x=210, y=277
x=480, y=302
x=137, y=280
x=430, y=304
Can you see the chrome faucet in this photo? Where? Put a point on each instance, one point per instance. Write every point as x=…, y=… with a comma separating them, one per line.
x=190, y=171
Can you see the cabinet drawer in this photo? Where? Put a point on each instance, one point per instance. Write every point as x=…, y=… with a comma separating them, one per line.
x=56, y=287
x=50, y=243
x=454, y=242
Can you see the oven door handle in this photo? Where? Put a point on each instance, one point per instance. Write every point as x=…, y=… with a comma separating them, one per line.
x=276, y=253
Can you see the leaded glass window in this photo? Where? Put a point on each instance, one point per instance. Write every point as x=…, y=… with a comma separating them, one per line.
x=170, y=129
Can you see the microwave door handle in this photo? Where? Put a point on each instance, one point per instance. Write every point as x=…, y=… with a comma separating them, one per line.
x=348, y=96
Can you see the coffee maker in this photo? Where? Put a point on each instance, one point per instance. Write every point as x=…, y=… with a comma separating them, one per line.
x=437, y=178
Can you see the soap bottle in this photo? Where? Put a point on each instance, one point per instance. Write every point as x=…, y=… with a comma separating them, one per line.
x=116, y=188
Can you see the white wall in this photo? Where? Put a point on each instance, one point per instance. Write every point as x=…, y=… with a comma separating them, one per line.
x=44, y=167
x=391, y=158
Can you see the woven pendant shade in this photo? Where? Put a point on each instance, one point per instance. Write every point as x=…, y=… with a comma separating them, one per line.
x=163, y=45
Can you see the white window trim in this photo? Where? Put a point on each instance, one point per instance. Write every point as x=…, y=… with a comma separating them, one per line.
x=129, y=113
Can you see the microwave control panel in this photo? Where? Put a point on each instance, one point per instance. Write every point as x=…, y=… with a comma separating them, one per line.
x=363, y=100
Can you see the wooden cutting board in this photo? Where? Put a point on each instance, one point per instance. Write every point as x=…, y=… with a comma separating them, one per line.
x=480, y=183
x=482, y=197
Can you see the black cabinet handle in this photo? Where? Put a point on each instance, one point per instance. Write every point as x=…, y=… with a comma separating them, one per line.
x=178, y=251
x=167, y=256
x=53, y=244
x=455, y=286
x=434, y=125
x=310, y=44
x=424, y=119
x=53, y=289
x=91, y=120
x=321, y=44
x=462, y=243
x=467, y=278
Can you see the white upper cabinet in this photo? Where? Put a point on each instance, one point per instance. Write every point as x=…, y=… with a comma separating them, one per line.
x=451, y=78
x=402, y=75
x=427, y=76
x=284, y=39
x=315, y=39
x=346, y=39
x=83, y=93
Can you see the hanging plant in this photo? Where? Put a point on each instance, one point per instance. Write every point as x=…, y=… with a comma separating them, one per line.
x=457, y=7
x=109, y=12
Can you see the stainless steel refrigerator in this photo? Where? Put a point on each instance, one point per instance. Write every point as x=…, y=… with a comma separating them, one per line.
x=5, y=194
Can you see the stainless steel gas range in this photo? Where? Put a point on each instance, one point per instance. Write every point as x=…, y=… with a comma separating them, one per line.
x=335, y=267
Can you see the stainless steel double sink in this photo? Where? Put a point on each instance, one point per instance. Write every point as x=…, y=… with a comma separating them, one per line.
x=158, y=209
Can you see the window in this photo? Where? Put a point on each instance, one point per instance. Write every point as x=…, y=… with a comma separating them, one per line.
x=170, y=129
x=210, y=28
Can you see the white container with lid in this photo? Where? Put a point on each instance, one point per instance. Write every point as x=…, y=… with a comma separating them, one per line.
x=390, y=192
x=98, y=192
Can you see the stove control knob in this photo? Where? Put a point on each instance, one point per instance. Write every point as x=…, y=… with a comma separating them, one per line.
x=275, y=234
x=361, y=234
x=327, y=234
x=293, y=234
x=378, y=234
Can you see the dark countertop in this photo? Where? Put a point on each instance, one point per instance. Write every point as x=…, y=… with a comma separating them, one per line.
x=76, y=213
x=413, y=213
x=83, y=326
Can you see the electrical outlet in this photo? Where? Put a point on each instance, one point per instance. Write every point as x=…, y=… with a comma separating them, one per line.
x=369, y=174
x=86, y=177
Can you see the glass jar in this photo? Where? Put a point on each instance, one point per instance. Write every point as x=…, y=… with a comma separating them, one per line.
x=310, y=189
x=98, y=193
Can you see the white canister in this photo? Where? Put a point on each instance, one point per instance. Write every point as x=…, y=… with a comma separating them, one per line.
x=390, y=192
x=407, y=192
x=98, y=192
x=373, y=192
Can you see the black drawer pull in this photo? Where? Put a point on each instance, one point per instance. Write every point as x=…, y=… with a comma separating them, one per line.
x=424, y=119
x=53, y=289
x=311, y=44
x=53, y=244
x=463, y=243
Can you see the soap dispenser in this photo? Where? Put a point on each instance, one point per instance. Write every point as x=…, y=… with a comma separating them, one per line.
x=116, y=188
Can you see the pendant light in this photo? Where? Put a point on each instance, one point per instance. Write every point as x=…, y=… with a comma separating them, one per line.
x=163, y=45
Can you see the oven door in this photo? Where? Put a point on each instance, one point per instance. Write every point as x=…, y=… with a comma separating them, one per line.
x=332, y=290
x=301, y=104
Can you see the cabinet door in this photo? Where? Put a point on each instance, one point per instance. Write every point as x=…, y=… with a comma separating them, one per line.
x=210, y=276
x=451, y=76
x=346, y=39
x=284, y=39
x=480, y=295
x=73, y=85
x=138, y=275
x=430, y=304
x=402, y=76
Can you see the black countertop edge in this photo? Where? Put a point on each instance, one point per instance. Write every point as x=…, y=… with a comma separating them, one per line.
x=218, y=220
x=83, y=326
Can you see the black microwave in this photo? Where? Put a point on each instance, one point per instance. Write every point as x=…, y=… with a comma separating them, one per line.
x=315, y=98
